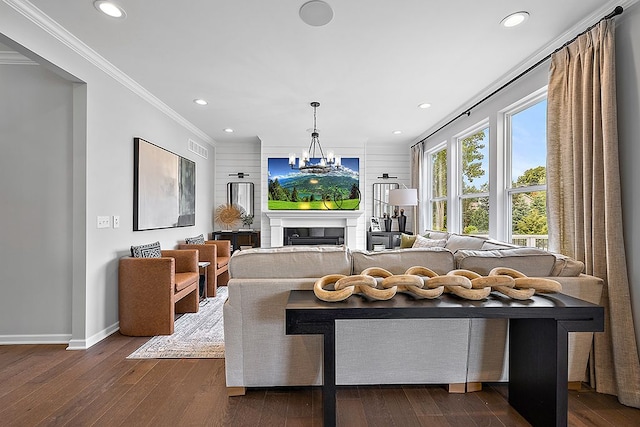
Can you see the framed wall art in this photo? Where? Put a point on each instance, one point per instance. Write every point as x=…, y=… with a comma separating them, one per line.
x=164, y=188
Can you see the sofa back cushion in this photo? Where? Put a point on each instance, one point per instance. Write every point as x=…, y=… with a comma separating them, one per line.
x=529, y=261
x=459, y=241
x=397, y=261
x=567, y=267
x=290, y=262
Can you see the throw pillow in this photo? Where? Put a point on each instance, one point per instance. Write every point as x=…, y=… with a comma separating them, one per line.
x=150, y=250
x=423, y=242
x=197, y=240
x=406, y=241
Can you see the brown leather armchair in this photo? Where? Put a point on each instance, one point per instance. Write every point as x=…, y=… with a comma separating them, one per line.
x=152, y=290
x=217, y=253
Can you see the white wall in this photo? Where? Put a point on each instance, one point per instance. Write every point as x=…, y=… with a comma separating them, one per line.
x=628, y=86
x=106, y=118
x=36, y=186
x=232, y=158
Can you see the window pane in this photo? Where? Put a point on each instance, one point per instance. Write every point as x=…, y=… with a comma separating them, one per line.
x=475, y=162
x=529, y=146
x=475, y=215
x=439, y=174
x=439, y=212
x=529, y=219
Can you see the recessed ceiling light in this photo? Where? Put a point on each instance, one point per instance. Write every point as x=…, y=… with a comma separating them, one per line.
x=424, y=105
x=228, y=130
x=200, y=101
x=515, y=19
x=397, y=132
x=316, y=13
x=110, y=8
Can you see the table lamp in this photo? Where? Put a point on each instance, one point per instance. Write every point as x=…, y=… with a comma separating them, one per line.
x=403, y=197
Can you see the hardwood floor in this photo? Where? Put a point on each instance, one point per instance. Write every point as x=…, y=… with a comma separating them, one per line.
x=46, y=385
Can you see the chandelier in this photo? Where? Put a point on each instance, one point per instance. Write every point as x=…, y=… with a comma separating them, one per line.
x=310, y=162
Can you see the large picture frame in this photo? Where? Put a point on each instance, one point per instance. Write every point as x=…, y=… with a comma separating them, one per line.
x=164, y=188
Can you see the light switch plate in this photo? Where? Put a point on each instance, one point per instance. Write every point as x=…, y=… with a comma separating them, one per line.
x=103, y=222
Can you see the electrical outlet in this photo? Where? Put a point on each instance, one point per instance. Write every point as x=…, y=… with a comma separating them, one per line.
x=116, y=221
x=103, y=222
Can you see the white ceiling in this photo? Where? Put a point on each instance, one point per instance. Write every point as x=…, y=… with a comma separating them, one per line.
x=259, y=66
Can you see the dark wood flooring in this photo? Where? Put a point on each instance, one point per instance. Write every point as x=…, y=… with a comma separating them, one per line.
x=46, y=385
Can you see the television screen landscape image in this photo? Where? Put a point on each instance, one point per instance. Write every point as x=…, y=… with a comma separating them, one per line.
x=294, y=189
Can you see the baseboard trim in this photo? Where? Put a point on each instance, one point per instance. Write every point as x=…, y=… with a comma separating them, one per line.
x=83, y=344
x=34, y=339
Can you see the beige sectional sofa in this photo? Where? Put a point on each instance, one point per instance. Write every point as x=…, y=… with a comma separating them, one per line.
x=416, y=351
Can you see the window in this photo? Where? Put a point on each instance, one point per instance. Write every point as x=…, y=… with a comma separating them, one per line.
x=473, y=151
x=526, y=183
x=438, y=190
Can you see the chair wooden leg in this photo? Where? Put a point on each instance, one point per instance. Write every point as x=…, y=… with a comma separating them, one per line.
x=471, y=387
x=236, y=391
x=457, y=388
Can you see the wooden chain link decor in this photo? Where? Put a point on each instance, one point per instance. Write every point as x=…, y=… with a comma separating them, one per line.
x=421, y=282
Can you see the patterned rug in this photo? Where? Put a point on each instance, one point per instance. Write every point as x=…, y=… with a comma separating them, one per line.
x=196, y=335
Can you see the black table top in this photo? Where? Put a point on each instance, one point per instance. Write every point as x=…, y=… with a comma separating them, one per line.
x=553, y=306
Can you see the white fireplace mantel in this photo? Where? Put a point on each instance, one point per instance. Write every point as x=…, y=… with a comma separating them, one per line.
x=279, y=220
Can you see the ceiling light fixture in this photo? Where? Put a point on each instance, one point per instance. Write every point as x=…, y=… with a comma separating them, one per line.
x=397, y=132
x=515, y=19
x=424, y=105
x=110, y=8
x=309, y=163
x=200, y=101
x=228, y=130
x=316, y=13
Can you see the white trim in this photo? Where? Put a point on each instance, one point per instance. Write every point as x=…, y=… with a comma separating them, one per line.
x=279, y=220
x=14, y=58
x=35, y=339
x=61, y=34
x=94, y=339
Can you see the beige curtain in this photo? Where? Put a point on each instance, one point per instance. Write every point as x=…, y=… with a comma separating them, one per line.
x=583, y=191
x=417, y=160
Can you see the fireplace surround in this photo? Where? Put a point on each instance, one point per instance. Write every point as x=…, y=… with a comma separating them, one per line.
x=279, y=220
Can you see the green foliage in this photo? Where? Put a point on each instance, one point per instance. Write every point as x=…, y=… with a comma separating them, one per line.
x=533, y=176
x=472, y=157
x=294, y=195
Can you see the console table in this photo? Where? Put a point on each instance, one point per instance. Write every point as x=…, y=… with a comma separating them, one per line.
x=239, y=238
x=538, y=334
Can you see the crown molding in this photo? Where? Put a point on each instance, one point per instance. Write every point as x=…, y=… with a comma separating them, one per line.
x=51, y=27
x=14, y=58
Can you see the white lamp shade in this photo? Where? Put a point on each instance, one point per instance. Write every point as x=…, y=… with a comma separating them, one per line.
x=403, y=197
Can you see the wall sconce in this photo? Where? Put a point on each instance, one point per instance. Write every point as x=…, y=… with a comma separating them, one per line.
x=239, y=174
x=386, y=176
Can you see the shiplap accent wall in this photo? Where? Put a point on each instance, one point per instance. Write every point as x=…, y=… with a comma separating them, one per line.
x=252, y=158
x=391, y=159
x=234, y=157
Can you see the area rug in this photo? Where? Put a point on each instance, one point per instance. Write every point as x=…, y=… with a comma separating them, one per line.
x=196, y=335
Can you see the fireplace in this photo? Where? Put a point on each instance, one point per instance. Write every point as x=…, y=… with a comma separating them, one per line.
x=345, y=220
x=313, y=236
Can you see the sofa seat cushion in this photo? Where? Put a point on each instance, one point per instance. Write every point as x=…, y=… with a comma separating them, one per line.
x=222, y=261
x=529, y=261
x=398, y=261
x=290, y=262
x=184, y=280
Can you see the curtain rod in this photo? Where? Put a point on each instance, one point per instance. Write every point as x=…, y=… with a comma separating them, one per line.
x=617, y=11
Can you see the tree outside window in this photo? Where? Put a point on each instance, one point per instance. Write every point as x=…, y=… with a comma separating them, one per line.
x=474, y=152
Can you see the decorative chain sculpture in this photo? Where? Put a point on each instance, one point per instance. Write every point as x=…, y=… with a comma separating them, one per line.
x=421, y=282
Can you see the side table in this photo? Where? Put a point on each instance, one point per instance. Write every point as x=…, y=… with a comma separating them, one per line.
x=202, y=268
